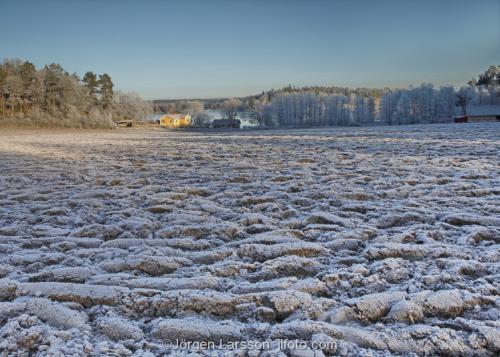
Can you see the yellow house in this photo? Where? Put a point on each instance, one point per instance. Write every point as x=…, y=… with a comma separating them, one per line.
x=175, y=120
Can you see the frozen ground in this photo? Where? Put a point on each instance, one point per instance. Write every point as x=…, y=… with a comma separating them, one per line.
x=382, y=240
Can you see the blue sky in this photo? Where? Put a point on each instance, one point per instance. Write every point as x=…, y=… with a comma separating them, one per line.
x=221, y=48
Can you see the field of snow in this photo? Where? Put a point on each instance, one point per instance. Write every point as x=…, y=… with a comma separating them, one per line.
x=353, y=241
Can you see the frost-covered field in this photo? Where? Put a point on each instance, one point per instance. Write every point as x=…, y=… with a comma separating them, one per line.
x=382, y=240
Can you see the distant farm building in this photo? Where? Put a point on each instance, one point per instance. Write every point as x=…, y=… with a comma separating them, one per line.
x=226, y=123
x=174, y=120
x=125, y=123
x=246, y=119
x=480, y=113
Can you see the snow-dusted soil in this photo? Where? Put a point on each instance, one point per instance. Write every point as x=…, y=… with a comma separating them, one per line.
x=357, y=241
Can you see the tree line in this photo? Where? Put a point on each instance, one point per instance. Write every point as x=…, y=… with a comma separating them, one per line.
x=330, y=106
x=311, y=109
x=414, y=105
x=50, y=96
x=342, y=106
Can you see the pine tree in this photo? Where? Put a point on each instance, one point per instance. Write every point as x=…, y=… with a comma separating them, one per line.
x=105, y=90
x=27, y=73
x=53, y=74
x=3, y=98
x=92, y=84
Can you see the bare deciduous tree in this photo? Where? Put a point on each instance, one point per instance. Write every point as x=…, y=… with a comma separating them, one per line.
x=230, y=108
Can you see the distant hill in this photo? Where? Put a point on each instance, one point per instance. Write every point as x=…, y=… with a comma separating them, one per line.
x=179, y=105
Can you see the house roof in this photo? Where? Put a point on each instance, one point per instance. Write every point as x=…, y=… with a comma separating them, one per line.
x=176, y=116
x=480, y=110
x=173, y=116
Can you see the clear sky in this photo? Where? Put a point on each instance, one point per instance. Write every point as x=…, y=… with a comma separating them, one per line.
x=222, y=48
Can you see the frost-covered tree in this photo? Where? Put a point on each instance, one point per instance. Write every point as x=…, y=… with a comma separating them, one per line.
x=425, y=104
x=388, y=106
x=489, y=78
x=446, y=103
x=52, y=96
x=130, y=106
x=318, y=109
x=465, y=95
x=231, y=108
